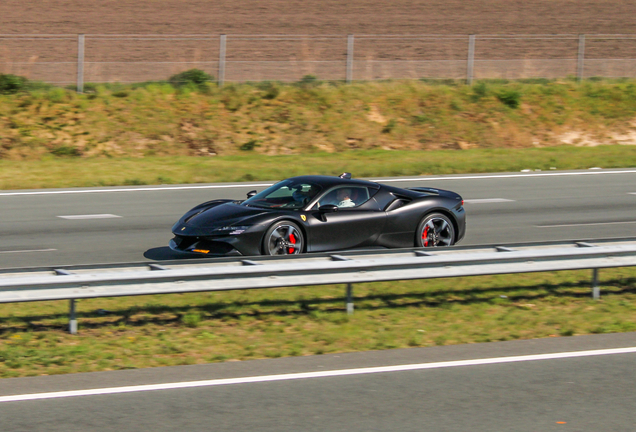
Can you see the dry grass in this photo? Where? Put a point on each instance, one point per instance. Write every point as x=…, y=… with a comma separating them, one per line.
x=276, y=119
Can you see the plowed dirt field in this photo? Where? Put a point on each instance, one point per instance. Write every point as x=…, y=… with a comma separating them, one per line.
x=317, y=17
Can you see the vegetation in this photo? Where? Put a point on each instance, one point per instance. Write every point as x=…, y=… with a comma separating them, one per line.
x=136, y=332
x=191, y=77
x=194, y=118
x=11, y=84
x=187, y=130
x=191, y=131
x=70, y=171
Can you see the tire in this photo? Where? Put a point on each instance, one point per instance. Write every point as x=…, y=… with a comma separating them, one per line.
x=435, y=230
x=283, y=238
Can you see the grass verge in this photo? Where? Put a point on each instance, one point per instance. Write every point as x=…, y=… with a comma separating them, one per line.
x=156, y=119
x=73, y=172
x=137, y=332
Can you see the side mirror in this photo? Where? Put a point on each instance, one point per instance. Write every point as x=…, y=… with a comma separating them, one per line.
x=250, y=194
x=328, y=208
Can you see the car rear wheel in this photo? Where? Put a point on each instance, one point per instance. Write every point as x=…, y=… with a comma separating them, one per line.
x=435, y=230
x=283, y=238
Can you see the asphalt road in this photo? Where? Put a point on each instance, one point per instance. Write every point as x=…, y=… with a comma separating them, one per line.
x=88, y=226
x=586, y=393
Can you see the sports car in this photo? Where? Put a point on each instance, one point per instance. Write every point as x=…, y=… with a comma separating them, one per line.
x=322, y=213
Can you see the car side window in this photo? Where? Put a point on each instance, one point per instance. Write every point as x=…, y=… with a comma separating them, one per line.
x=345, y=197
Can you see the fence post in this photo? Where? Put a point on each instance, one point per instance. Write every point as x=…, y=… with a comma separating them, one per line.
x=470, y=66
x=80, y=63
x=596, y=291
x=580, y=58
x=349, y=76
x=222, y=42
x=349, y=299
x=72, y=322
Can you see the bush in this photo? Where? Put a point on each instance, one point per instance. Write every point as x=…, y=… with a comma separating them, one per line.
x=509, y=97
x=480, y=90
x=250, y=145
x=308, y=81
x=391, y=124
x=190, y=77
x=66, y=151
x=271, y=90
x=10, y=84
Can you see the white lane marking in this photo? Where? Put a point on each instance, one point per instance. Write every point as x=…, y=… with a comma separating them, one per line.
x=90, y=216
x=632, y=193
x=28, y=250
x=246, y=185
x=585, y=224
x=308, y=375
x=487, y=200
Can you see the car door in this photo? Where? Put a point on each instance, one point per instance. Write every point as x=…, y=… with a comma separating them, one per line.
x=347, y=227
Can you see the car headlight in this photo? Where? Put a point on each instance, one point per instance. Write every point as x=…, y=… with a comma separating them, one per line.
x=231, y=230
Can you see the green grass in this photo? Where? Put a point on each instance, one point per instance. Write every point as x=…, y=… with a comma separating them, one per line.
x=137, y=332
x=75, y=172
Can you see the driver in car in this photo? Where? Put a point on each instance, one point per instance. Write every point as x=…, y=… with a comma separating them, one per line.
x=344, y=198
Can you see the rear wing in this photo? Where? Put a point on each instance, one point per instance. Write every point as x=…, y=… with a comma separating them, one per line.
x=437, y=192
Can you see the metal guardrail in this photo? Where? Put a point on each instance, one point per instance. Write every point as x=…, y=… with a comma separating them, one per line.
x=81, y=282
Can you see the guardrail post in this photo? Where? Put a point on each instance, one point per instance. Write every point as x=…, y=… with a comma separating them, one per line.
x=349, y=76
x=72, y=323
x=596, y=291
x=349, y=299
x=580, y=62
x=80, y=63
x=470, y=66
x=222, y=45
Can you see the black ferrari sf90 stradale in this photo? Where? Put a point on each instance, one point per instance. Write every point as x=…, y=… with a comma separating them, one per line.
x=322, y=213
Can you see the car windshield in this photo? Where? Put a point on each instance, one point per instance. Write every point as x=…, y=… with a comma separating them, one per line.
x=288, y=194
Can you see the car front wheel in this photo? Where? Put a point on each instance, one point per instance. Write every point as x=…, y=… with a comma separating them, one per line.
x=283, y=238
x=435, y=230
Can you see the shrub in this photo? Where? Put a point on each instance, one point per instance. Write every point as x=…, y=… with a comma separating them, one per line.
x=189, y=77
x=308, y=81
x=10, y=84
x=272, y=90
x=509, y=97
x=391, y=124
x=250, y=145
x=66, y=151
x=480, y=90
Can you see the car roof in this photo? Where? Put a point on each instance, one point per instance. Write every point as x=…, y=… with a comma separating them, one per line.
x=329, y=181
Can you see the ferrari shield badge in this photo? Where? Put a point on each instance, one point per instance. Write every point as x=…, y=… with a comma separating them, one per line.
x=183, y=229
x=304, y=218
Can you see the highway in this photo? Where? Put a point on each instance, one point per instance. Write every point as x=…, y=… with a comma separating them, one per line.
x=125, y=224
x=571, y=383
x=583, y=383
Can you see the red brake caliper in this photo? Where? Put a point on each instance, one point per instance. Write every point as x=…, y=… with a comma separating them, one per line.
x=425, y=236
x=292, y=240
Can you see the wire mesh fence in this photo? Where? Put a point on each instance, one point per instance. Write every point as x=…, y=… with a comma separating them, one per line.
x=78, y=59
